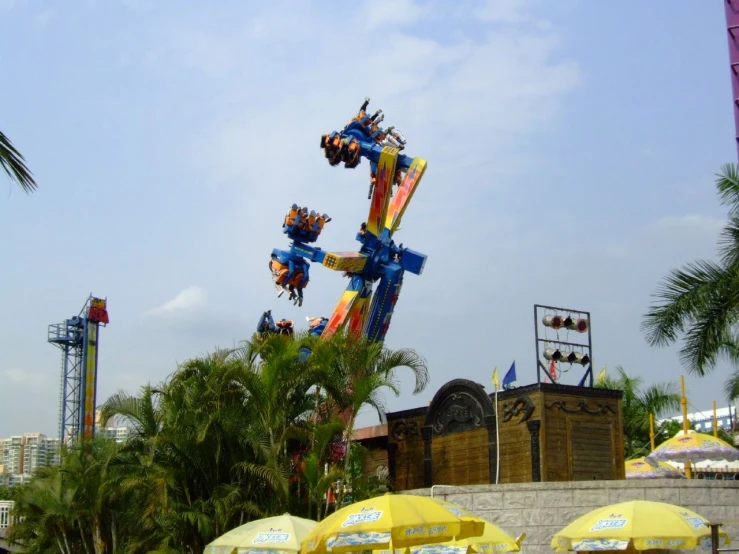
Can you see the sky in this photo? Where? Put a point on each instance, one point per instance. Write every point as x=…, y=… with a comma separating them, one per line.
x=571, y=148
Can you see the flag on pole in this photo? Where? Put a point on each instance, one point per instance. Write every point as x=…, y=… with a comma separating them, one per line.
x=496, y=380
x=553, y=371
x=510, y=377
x=601, y=377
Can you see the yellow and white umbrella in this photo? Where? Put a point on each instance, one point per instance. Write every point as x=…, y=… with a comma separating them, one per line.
x=493, y=538
x=694, y=447
x=273, y=535
x=645, y=525
x=390, y=521
x=639, y=468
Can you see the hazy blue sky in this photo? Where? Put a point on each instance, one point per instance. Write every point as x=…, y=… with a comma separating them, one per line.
x=572, y=147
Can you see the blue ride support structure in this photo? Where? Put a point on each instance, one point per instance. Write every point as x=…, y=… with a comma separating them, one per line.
x=379, y=258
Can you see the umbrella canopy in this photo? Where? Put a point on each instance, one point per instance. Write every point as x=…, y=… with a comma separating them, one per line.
x=694, y=447
x=710, y=465
x=273, y=535
x=399, y=520
x=639, y=468
x=647, y=525
x=493, y=538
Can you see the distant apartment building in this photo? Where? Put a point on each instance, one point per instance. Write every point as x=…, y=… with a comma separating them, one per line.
x=726, y=419
x=118, y=433
x=21, y=455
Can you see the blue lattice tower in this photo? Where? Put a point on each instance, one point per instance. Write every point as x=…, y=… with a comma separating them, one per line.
x=68, y=337
x=77, y=338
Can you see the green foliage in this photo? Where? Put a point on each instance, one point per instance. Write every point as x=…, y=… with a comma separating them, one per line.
x=364, y=486
x=229, y=437
x=700, y=302
x=726, y=436
x=14, y=165
x=660, y=400
x=5, y=493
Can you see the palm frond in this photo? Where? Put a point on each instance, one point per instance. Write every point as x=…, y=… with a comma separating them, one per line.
x=728, y=243
x=727, y=184
x=13, y=163
x=731, y=386
x=700, y=296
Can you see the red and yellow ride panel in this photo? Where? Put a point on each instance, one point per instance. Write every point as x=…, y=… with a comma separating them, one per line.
x=351, y=262
x=341, y=311
x=404, y=194
x=384, y=179
x=358, y=315
x=90, y=385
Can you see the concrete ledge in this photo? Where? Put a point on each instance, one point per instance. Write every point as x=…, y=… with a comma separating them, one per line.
x=541, y=509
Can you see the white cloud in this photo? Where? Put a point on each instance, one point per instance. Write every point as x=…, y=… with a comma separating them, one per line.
x=445, y=94
x=691, y=224
x=503, y=11
x=137, y=5
x=43, y=18
x=24, y=378
x=379, y=13
x=7, y=5
x=187, y=301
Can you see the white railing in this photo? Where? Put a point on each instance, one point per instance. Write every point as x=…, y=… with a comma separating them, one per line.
x=6, y=506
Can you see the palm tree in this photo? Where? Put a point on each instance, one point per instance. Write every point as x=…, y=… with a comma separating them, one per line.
x=355, y=373
x=311, y=466
x=45, y=516
x=659, y=399
x=701, y=300
x=189, y=464
x=228, y=437
x=13, y=163
x=73, y=507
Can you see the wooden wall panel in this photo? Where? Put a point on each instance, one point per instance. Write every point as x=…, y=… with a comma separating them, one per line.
x=375, y=458
x=514, y=412
x=406, y=434
x=591, y=449
x=461, y=458
x=544, y=432
x=584, y=436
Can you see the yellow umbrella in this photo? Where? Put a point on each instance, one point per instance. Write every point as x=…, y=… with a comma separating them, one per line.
x=281, y=534
x=639, y=468
x=647, y=525
x=694, y=447
x=389, y=521
x=493, y=538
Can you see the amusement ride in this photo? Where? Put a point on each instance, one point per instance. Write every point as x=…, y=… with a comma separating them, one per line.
x=378, y=259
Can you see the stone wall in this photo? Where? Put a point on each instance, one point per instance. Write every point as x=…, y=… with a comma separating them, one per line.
x=542, y=509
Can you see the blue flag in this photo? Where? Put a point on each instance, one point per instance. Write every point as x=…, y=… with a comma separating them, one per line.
x=510, y=377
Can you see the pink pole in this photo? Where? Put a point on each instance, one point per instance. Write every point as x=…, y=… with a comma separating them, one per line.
x=732, y=24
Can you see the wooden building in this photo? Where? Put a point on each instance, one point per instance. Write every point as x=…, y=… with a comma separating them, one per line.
x=544, y=432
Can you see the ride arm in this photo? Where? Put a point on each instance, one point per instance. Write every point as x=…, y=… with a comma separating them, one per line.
x=352, y=262
x=372, y=152
x=404, y=194
x=343, y=307
x=310, y=253
x=383, y=303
